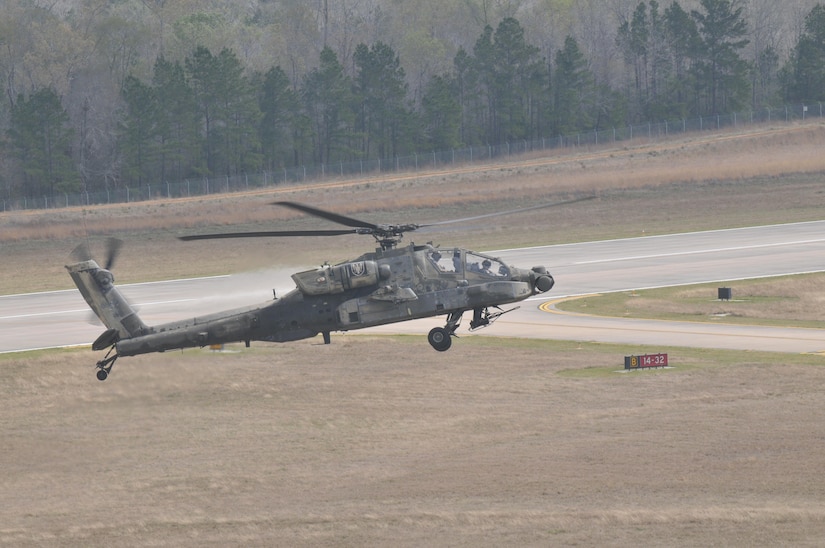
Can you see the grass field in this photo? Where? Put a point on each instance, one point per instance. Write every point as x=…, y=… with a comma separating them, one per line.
x=503, y=443
x=793, y=301
x=377, y=441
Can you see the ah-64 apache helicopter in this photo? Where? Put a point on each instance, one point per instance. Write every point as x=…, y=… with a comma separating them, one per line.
x=392, y=284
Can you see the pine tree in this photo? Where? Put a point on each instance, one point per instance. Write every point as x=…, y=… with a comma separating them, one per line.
x=138, y=131
x=573, y=90
x=280, y=106
x=519, y=77
x=177, y=123
x=442, y=113
x=805, y=71
x=40, y=136
x=381, y=90
x=228, y=108
x=721, y=73
x=328, y=101
x=682, y=37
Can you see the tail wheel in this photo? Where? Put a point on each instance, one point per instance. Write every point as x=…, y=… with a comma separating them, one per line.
x=440, y=339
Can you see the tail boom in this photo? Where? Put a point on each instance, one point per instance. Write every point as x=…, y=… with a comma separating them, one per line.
x=96, y=284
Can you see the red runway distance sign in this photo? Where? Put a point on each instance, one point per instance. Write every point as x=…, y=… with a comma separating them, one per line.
x=645, y=360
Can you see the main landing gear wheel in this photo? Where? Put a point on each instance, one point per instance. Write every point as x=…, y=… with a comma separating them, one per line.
x=440, y=339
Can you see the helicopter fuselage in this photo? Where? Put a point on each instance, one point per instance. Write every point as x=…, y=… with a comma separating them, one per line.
x=392, y=284
x=378, y=288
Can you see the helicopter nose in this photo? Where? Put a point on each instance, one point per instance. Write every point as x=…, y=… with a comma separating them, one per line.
x=541, y=279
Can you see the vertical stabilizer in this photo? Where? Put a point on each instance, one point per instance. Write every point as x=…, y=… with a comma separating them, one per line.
x=96, y=284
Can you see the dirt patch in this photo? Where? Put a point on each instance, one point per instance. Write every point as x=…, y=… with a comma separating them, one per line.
x=378, y=441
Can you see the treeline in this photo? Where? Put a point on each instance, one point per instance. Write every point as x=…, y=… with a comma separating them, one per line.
x=209, y=113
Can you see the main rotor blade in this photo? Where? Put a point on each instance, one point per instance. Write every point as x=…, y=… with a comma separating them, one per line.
x=330, y=216
x=510, y=211
x=266, y=234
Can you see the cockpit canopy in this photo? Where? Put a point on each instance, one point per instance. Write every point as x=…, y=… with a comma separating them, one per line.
x=460, y=262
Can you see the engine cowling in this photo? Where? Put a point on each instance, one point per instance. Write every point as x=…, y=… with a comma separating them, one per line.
x=328, y=280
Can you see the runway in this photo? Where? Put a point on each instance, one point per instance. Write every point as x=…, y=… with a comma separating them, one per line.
x=61, y=318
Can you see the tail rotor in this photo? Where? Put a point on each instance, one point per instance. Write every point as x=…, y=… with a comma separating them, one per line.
x=83, y=253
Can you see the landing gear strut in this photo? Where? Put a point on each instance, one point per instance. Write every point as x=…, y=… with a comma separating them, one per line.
x=104, y=366
x=441, y=338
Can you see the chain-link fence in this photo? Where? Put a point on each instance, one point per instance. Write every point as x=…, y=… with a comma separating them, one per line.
x=415, y=162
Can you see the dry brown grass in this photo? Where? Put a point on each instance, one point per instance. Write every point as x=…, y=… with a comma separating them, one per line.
x=380, y=441
x=766, y=175
x=374, y=442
